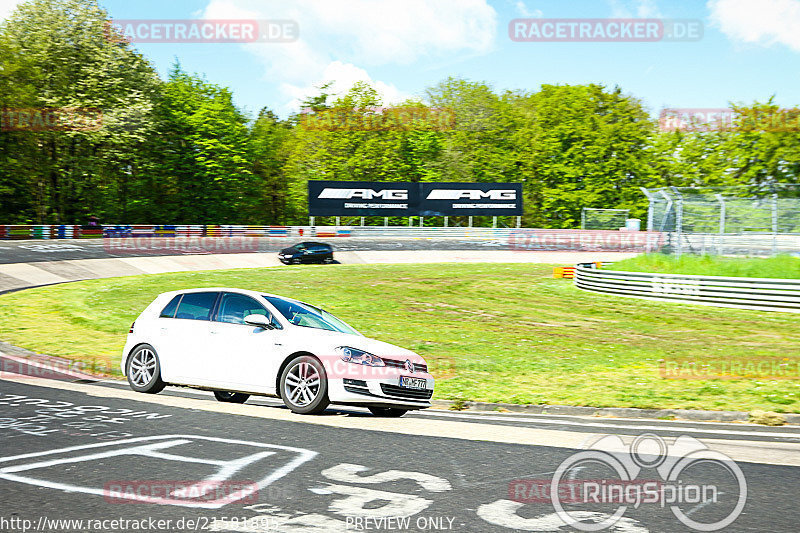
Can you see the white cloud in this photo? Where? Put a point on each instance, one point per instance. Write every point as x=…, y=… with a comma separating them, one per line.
x=524, y=11
x=626, y=9
x=343, y=76
x=7, y=6
x=765, y=22
x=341, y=38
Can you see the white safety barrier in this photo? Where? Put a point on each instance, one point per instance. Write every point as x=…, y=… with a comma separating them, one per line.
x=763, y=294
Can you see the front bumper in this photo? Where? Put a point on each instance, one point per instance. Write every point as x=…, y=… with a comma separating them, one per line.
x=381, y=392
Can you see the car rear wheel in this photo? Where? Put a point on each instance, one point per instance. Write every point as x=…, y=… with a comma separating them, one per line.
x=230, y=397
x=144, y=370
x=387, y=412
x=304, y=386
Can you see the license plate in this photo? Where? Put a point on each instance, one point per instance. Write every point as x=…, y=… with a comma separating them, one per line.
x=413, y=383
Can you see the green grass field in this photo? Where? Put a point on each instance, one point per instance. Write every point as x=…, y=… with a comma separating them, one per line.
x=496, y=333
x=782, y=266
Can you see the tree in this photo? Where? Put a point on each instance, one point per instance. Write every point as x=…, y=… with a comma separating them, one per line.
x=199, y=170
x=56, y=54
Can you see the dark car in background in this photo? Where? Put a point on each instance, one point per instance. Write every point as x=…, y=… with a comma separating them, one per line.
x=307, y=252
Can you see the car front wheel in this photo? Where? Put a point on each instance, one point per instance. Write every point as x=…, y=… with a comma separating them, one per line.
x=230, y=397
x=387, y=412
x=144, y=370
x=304, y=386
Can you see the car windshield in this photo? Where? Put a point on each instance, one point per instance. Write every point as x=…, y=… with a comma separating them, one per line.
x=302, y=314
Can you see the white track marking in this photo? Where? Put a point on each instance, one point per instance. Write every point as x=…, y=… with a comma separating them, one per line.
x=145, y=446
x=504, y=513
x=356, y=498
x=347, y=473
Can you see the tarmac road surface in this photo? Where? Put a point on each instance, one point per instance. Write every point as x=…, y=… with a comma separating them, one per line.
x=92, y=453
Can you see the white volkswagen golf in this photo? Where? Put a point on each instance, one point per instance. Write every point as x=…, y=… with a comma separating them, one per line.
x=238, y=342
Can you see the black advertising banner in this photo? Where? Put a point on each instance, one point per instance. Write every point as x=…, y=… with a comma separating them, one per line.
x=391, y=199
x=470, y=199
x=362, y=198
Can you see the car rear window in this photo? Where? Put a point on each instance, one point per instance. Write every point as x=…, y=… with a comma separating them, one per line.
x=197, y=305
x=169, y=310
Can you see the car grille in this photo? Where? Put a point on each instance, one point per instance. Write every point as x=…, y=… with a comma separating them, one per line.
x=418, y=367
x=402, y=392
x=356, y=386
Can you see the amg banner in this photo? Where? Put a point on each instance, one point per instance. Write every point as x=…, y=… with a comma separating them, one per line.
x=372, y=198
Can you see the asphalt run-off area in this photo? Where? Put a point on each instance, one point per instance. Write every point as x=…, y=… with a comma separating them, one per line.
x=91, y=455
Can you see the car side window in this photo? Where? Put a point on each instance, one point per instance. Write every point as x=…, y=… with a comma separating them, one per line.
x=172, y=306
x=234, y=307
x=197, y=305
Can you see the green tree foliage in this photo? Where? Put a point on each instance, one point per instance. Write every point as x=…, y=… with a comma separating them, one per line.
x=179, y=151
x=199, y=166
x=57, y=54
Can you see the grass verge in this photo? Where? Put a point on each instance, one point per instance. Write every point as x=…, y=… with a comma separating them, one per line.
x=782, y=266
x=490, y=332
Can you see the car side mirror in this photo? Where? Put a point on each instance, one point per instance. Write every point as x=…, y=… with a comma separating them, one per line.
x=259, y=321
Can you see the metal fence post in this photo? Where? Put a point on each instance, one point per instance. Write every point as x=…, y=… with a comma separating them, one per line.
x=519, y=222
x=721, y=201
x=445, y=221
x=667, y=211
x=470, y=222
x=338, y=221
x=678, y=221
x=774, y=223
x=650, y=209
x=494, y=222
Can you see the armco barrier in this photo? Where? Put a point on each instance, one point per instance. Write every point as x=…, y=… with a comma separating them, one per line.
x=763, y=294
x=516, y=239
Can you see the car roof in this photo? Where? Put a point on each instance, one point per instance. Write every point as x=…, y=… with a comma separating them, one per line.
x=313, y=243
x=227, y=289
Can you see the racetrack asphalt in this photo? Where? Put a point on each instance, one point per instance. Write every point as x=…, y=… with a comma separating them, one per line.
x=67, y=447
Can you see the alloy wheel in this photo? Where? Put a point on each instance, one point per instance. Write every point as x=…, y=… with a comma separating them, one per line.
x=143, y=367
x=302, y=384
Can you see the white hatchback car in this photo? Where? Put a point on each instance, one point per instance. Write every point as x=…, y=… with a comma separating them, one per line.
x=238, y=342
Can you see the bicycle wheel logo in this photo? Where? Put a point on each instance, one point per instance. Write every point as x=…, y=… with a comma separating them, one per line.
x=687, y=479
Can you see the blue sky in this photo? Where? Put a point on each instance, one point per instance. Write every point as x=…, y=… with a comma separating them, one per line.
x=750, y=49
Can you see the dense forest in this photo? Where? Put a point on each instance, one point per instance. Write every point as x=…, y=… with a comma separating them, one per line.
x=179, y=151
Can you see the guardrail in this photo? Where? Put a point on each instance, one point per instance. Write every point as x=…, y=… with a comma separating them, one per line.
x=763, y=294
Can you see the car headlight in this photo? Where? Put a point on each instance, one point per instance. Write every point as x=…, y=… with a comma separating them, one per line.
x=358, y=357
